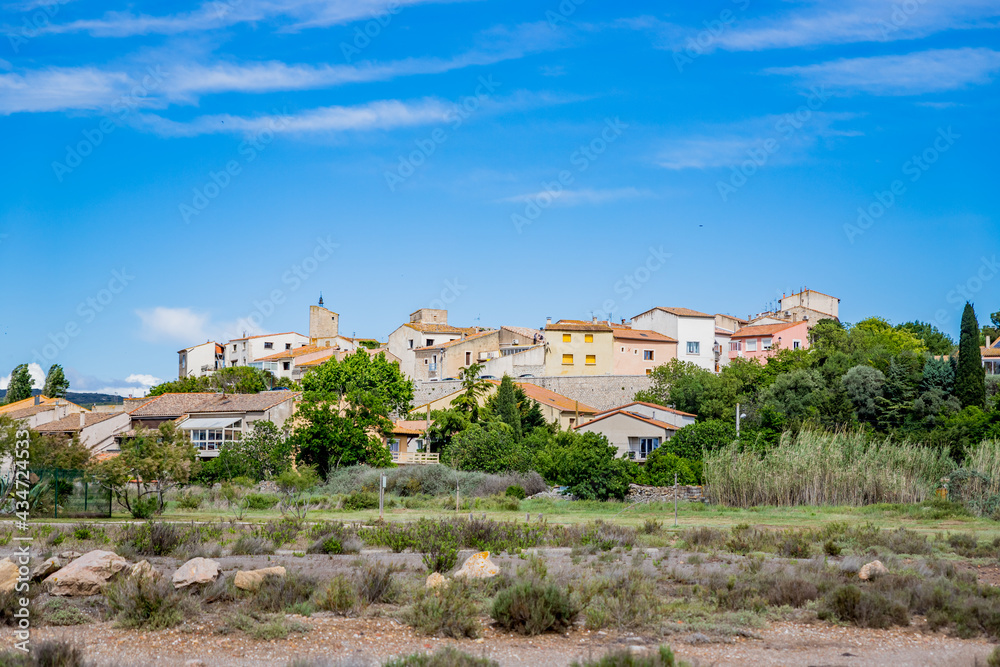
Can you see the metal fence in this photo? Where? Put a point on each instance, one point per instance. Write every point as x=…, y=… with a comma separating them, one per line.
x=68, y=494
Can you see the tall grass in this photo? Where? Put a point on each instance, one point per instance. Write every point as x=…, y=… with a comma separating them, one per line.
x=820, y=468
x=977, y=483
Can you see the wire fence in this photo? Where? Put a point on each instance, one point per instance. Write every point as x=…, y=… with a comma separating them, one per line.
x=68, y=494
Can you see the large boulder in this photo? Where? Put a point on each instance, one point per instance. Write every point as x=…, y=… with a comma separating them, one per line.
x=86, y=575
x=250, y=580
x=45, y=568
x=872, y=570
x=196, y=571
x=8, y=575
x=143, y=570
x=478, y=566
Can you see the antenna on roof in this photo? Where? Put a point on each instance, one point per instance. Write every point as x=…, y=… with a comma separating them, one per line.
x=321, y=298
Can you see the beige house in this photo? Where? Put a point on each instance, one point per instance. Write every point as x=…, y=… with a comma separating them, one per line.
x=639, y=351
x=408, y=442
x=557, y=408
x=97, y=430
x=38, y=410
x=445, y=360
x=427, y=327
x=638, y=428
x=575, y=347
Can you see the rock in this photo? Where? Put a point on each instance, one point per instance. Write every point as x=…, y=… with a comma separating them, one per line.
x=70, y=555
x=196, y=571
x=144, y=570
x=872, y=570
x=87, y=574
x=250, y=580
x=195, y=663
x=478, y=566
x=8, y=575
x=436, y=580
x=46, y=568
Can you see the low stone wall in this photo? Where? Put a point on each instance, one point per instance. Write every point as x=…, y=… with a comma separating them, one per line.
x=654, y=494
x=598, y=391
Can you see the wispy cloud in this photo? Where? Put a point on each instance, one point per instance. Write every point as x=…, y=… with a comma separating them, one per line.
x=908, y=74
x=163, y=324
x=770, y=139
x=582, y=197
x=295, y=14
x=36, y=372
x=59, y=89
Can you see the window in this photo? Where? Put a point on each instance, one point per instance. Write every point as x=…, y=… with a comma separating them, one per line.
x=649, y=371
x=430, y=341
x=244, y=345
x=751, y=345
x=693, y=347
x=647, y=355
x=288, y=346
x=591, y=359
x=468, y=358
x=394, y=446
x=796, y=345
x=286, y=365
x=212, y=439
x=647, y=446
x=765, y=343
x=268, y=345
x=425, y=362
x=567, y=338
x=234, y=347
x=623, y=349
x=411, y=343
x=588, y=338
x=567, y=359
x=735, y=346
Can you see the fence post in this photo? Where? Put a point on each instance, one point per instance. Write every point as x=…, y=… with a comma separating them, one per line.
x=675, y=500
x=86, y=493
x=55, y=504
x=381, y=495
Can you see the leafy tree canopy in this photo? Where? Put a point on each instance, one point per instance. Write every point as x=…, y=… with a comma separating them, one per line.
x=56, y=384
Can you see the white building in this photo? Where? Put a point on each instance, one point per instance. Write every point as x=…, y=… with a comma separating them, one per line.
x=200, y=360
x=637, y=429
x=244, y=351
x=427, y=327
x=694, y=332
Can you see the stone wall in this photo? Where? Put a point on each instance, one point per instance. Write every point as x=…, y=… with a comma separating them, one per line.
x=598, y=391
x=652, y=494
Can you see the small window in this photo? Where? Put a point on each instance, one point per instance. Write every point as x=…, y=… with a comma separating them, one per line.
x=735, y=346
x=468, y=358
x=591, y=359
x=693, y=347
x=623, y=349
x=649, y=371
x=751, y=345
x=411, y=343
x=268, y=345
x=567, y=338
x=765, y=343
x=647, y=355
x=430, y=341
x=425, y=362
x=286, y=365
x=234, y=347
x=288, y=346
x=796, y=345
x=568, y=359
x=588, y=338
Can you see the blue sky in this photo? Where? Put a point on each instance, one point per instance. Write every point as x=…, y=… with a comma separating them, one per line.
x=176, y=173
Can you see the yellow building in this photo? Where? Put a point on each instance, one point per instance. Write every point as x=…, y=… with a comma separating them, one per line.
x=575, y=347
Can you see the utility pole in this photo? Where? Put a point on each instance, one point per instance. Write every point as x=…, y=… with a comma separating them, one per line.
x=737, y=420
x=381, y=497
x=675, y=500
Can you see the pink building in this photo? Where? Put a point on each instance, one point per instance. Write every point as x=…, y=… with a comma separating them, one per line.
x=639, y=351
x=762, y=340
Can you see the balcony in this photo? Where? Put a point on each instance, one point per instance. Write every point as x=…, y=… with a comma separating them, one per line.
x=432, y=368
x=415, y=458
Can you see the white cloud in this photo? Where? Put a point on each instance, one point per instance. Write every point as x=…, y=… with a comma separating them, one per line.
x=908, y=74
x=59, y=88
x=585, y=196
x=144, y=379
x=36, y=372
x=188, y=327
x=136, y=384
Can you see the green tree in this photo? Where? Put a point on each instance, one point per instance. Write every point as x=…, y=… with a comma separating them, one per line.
x=345, y=411
x=797, y=395
x=150, y=464
x=187, y=385
x=661, y=466
x=693, y=440
x=263, y=453
x=992, y=329
x=680, y=384
x=56, y=384
x=506, y=408
x=488, y=448
x=586, y=464
x=475, y=388
x=938, y=374
x=936, y=341
x=444, y=425
x=21, y=382
x=875, y=342
x=970, y=376
x=864, y=386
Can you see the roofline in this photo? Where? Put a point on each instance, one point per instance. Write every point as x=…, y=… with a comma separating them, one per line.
x=808, y=289
x=788, y=325
x=283, y=333
x=652, y=405
x=664, y=309
x=659, y=424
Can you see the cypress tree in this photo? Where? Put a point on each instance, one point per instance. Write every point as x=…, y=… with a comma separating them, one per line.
x=506, y=406
x=56, y=384
x=19, y=387
x=970, y=376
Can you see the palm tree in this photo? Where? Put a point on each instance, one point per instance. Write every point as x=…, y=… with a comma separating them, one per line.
x=474, y=387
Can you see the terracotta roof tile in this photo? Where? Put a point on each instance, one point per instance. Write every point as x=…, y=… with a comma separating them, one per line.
x=551, y=398
x=174, y=405
x=763, y=329
x=294, y=352
x=680, y=312
x=654, y=422
x=642, y=334
x=410, y=426
x=71, y=423
x=650, y=405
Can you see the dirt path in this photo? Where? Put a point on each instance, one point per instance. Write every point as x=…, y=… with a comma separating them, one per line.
x=370, y=641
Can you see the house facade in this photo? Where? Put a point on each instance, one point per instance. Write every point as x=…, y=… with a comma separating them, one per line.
x=96, y=430
x=427, y=327
x=38, y=410
x=445, y=360
x=637, y=429
x=694, y=332
x=761, y=341
x=639, y=351
x=200, y=360
x=408, y=443
x=245, y=351
x=575, y=347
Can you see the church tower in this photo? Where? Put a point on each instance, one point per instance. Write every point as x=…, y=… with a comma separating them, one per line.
x=324, y=325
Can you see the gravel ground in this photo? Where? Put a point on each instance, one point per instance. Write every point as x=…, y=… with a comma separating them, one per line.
x=370, y=641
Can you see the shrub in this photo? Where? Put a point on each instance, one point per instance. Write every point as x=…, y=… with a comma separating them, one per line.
x=794, y=545
x=337, y=596
x=59, y=612
x=190, y=500
x=865, y=608
x=440, y=557
x=831, y=548
x=662, y=465
x=283, y=593
x=279, y=532
x=376, y=582
x=47, y=653
x=532, y=607
x=625, y=601
x=664, y=657
x=82, y=532
x=148, y=603
x=516, y=491
x=651, y=526
x=261, y=501
x=363, y=500
x=449, y=611
x=10, y=602
x=445, y=657
x=703, y=537
x=250, y=545
x=151, y=538
x=266, y=627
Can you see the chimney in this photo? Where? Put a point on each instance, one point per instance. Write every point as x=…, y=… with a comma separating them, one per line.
x=623, y=320
x=594, y=319
x=83, y=419
x=987, y=341
x=548, y=321
x=38, y=399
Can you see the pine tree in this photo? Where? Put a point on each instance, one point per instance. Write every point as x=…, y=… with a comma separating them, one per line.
x=970, y=376
x=506, y=406
x=21, y=382
x=56, y=383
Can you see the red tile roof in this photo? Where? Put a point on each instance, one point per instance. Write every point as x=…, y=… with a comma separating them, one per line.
x=632, y=415
x=650, y=405
x=410, y=426
x=175, y=405
x=551, y=398
x=763, y=329
x=71, y=423
x=294, y=352
x=642, y=334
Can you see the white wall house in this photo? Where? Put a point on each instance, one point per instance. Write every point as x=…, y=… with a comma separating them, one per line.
x=694, y=332
x=426, y=327
x=200, y=360
x=243, y=351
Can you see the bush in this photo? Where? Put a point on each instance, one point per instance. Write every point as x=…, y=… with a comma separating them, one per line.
x=148, y=603
x=82, y=532
x=865, y=608
x=59, y=612
x=266, y=627
x=278, y=594
x=532, y=607
x=10, y=602
x=661, y=465
x=626, y=601
x=151, y=538
x=362, y=500
x=337, y=596
x=261, y=501
x=445, y=657
x=449, y=611
x=440, y=557
x=516, y=491
x=376, y=583
x=664, y=657
x=190, y=500
x=48, y=653
x=250, y=545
